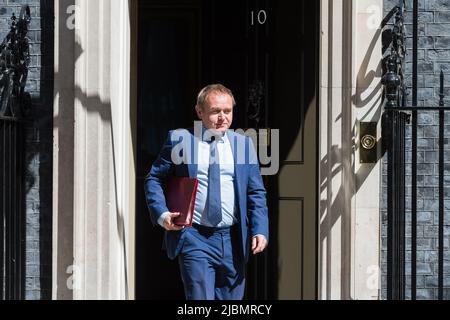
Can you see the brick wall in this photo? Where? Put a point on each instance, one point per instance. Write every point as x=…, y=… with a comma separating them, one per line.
x=38, y=143
x=433, y=55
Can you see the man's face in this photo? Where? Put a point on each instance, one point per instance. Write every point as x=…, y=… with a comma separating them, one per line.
x=218, y=113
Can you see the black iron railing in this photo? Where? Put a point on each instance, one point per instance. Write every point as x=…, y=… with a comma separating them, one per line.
x=14, y=102
x=394, y=133
x=396, y=117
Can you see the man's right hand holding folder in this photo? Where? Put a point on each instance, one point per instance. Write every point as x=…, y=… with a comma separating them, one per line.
x=169, y=224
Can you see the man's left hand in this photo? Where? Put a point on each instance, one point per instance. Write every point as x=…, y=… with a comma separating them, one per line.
x=259, y=243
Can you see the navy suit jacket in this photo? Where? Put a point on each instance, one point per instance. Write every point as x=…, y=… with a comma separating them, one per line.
x=248, y=186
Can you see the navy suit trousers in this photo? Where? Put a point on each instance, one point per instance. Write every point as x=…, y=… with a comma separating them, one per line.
x=210, y=264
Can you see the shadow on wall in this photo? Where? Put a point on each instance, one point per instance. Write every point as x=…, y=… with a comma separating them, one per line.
x=94, y=106
x=99, y=118
x=338, y=165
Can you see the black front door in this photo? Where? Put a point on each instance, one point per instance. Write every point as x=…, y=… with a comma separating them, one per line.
x=265, y=51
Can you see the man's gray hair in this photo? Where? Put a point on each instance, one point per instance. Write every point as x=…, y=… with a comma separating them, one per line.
x=202, y=99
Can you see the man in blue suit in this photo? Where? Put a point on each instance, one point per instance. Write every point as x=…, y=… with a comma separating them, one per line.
x=230, y=214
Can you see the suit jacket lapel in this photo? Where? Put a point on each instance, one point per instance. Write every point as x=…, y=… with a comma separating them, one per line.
x=237, y=168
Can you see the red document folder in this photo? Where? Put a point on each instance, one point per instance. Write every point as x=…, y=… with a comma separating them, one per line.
x=180, y=195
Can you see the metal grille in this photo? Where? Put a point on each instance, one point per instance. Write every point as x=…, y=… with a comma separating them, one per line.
x=397, y=116
x=394, y=135
x=14, y=60
x=11, y=209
